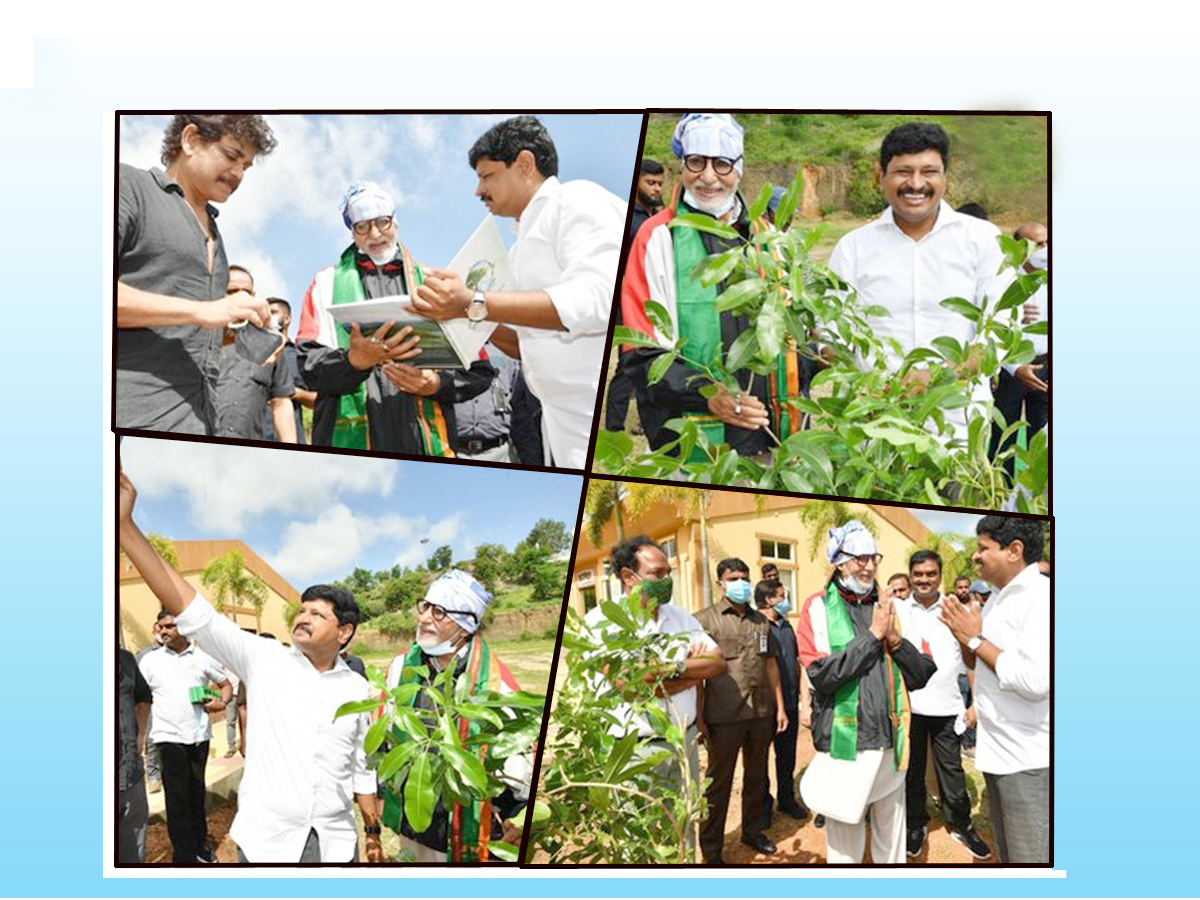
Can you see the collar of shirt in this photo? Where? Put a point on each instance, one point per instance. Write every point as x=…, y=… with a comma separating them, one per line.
x=544, y=194
x=947, y=217
x=171, y=186
x=1022, y=581
x=728, y=607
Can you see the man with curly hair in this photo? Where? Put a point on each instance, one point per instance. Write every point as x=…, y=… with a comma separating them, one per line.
x=172, y=272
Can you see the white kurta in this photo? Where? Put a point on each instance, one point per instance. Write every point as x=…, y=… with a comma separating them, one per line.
x=568, y=245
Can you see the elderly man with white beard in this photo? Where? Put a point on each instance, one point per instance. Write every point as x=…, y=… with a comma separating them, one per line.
x=709, y=147
x=861, y=669
x=448, y=622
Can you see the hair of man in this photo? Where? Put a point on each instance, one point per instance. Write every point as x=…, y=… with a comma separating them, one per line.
x=651, y=167
x=1004, y=530
x=915, y=137
x=624, y=556
x=732, y=564
x=273, y=300
x=504, y=141
x=251, y=130
x=765, y=591
x=921, y=556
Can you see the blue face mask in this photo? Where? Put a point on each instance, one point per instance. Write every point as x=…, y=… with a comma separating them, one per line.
x=738, y=591
x=784, y=606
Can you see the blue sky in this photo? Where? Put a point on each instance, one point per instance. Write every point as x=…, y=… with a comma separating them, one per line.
x=939, y=520
x=284, y=221
x=316, y=516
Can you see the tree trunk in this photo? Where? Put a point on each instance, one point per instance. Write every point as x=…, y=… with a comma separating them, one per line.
x=706, y=578
x=619, y=520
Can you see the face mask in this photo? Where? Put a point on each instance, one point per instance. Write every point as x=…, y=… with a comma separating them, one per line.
x=853, y=584
x=1040, y=258
x=275, y=322
x=715, y=211
x=439, y=649
x=784, y=606
x=657, y=590
x=738, y=591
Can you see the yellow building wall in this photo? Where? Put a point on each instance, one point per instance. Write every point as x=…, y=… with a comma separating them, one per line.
x=139, y=607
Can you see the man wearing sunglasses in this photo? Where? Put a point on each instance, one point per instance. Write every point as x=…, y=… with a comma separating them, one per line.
x=368, y=395
x=448, y=621
x=709, y=147
x=861, y=669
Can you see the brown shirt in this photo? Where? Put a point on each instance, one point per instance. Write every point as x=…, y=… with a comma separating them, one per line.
x=741, y=692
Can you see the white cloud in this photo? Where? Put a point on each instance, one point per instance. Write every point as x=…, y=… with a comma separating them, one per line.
x=337, y=541
x=225, y=488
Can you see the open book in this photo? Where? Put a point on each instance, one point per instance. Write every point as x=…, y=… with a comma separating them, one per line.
x=483, y=265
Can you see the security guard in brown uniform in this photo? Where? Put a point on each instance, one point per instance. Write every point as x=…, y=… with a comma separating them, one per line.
x=742, y=710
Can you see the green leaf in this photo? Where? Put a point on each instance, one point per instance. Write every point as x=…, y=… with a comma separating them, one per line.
x=743, y=349
x=761, y=202
x=1042, y=327
x=951, y=350
x=710, y=390
x=740, y=294
x=503, y=851
x=791, y=197
x=615, y=614
x=716, y=268
x=375, y=734
x=770, y=327
x=658, y=368
x=467, y=766
x=356, y=707
x=657, y=313
x=395, y=759
x=707, y=224
x=963, y=307
x=403, y=694
x=419, y=795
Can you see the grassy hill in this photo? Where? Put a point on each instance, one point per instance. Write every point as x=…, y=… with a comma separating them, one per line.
x=999, y=161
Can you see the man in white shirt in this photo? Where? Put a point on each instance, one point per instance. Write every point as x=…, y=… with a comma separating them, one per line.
x=920, y=252
x=641, y=565
x=303, y=766
x=182, y=731
x=565, y=261
x=1010, y=646
x=938, y=713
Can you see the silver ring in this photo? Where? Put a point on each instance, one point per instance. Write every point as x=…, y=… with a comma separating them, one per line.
x=737, y=408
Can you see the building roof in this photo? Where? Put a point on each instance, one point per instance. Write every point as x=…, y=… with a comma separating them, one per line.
x=195, y=555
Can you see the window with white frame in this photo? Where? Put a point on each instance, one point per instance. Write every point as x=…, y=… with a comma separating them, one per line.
x=782, y=555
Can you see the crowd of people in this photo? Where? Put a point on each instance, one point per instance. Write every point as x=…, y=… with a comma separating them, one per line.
x=878, y=674
x=199, y=352
x=919, y=252
x=304, y=767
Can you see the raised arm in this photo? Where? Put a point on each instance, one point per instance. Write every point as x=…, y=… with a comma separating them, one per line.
x=167, y=585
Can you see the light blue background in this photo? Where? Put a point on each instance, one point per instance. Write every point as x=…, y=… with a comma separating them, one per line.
x=1125, y=425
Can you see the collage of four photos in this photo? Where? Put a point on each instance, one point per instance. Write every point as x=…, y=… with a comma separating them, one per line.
x=666, y=488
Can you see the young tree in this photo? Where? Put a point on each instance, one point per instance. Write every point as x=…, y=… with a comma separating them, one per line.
x=442, y=557
x=549, y=535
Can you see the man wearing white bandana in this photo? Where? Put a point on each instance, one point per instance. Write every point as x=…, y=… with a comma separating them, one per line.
x=368, y=396
x=569, y=237
x=709, y=147
x=861, y=669
x=448, y=620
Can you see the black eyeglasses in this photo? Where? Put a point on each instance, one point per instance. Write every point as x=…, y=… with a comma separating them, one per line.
x=868, y=558
x=721, y=165
x=364, y=227
x=439, y=612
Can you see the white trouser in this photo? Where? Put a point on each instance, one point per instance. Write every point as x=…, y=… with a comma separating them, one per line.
x=845, y=842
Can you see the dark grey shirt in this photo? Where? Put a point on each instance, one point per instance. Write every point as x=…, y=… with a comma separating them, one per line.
x=166, y=375
x=243, y=390
x=131, y=690
x=488, y=415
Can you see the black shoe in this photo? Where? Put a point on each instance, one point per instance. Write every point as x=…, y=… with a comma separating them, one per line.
x=206, y=856
x=762, y=844
x=819, y=821
x=715, y=861
x=795, y=810
x=916, y=840
x=975, y=845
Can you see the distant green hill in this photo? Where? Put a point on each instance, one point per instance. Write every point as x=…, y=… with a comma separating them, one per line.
x=999, y=161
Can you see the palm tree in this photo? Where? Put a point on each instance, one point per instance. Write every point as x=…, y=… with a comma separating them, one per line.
x=823, y=515
x=164, y=548
x=230, y=583
x=694, y=504
x=603, y=502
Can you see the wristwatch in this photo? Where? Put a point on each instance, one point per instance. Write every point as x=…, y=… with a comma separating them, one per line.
x=373, y=829
x=477, y=308
x=680, y=669
x=973, y=643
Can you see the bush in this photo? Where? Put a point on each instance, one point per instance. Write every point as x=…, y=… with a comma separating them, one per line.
x=549, y=580
x=864, y=197
x=398, y=625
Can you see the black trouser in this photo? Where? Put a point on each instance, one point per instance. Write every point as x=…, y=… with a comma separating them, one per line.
x=1013, y=400
x=785, y=764
x=620, y=392
x=947, y=763
x=183, y=768
x=753, y=739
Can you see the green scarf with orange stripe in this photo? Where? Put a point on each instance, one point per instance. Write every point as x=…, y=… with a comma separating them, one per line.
x=843, y=741
x=467, y=840
x=351, y=429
